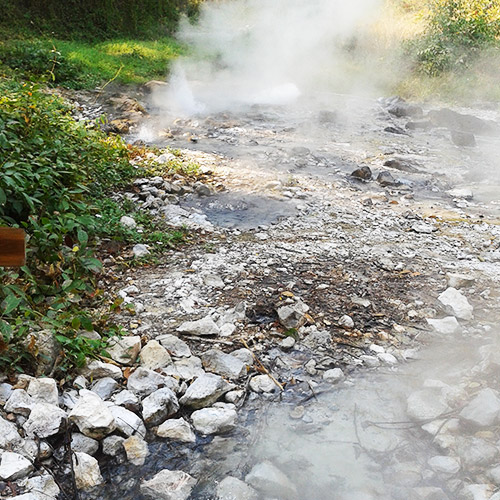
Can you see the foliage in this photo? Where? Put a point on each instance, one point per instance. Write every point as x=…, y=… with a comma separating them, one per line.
x=95, y=18
x=458, y=30
x=79, y=64
x=52, y=171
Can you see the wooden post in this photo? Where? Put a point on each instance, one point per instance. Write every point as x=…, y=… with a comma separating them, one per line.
x=12, y=247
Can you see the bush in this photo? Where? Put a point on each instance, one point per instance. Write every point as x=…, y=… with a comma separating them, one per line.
x=51, y=167
x=457, y=31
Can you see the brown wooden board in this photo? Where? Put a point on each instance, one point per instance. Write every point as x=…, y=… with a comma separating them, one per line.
x=12, y=247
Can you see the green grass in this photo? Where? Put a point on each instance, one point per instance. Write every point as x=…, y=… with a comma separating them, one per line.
x=82, y=64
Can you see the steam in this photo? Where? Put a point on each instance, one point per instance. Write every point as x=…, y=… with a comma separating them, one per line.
x=247, y=52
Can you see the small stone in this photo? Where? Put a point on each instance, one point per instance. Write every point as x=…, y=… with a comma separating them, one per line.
x=297, y=412
x=363, y=173
x=186, y=368
x=463, y=139
x=426, y=404
x=158, y=406
x=175, y=346
x=140, y=251
x=143, y=382
x=45, y=420
x=293, y=316
x=80, y=382
x=14, y=466
x=346, y=321
x=231, y=488
x=128, y=222
x=234, y=397
x=127, y=399
x=387, y=358
x=463, y=194
x=98, y=369
x=9, y=436
x=287, y=343
x=444, y=464
x=168, y=485
x=386, y=179
x=457, y=281
x=154, y=356
x=445, y=326
x=262, y=383
x=112, y=445
x=333, y=376
x=84, y=444
x=124, y=350
x=43, y=487
x=271, y=481
x=19, y=402
x=370, y=361
x=92, y=416
x=223, y=364
x=5, y=392
x=483, y=410
x=87, y=472
x=44, y=390
x=204, y=391
x=105, y=387
x=176, y=430
x=136, y=450
x=452, y=299
x=201, y=327
x=127, y=422
x=214, y=420
x=244, y=355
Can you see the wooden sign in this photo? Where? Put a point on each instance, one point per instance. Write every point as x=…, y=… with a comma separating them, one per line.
x=12, y=247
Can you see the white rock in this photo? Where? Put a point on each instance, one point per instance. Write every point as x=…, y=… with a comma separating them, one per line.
x=444, y=464
x=136, y=450
x=234, y=397
x=8, y=434
x=445, y=326
x=426, y=404
x=387, y=358
x=44, y=390
x=477, y=492
x=143, y=382
x=333, y=376
x=175, y=346
x=168, y=485
x=105, y=387
x=87, y=472
x=20, y=402
x=226, y=365
x=457, y=303
x=84, y=444
x=14, y=466
x=128, y=222
x=43, y=487
x=127, y=422
x=271, y=481
x=231, y=488
x=227, y=329
x=244, y=355
x=370, y=361
x=124, y=350
x=80, y=382
x=5, y=392
x=154, y=356
x=346, y=321
x=45, y=420
x=126, y=398
x=204, y=326
x=92, y=416
x=262, y=383
x=214, y=420
x=158, y=406
x=483, y=410
x=213, y=280
x=176, y=430
x=204, y=391
x=287, y=343
x=98, y=369
x=464, y=193
x=112, y=445
x=293, y=316
x=140, y=250
x=456, y=280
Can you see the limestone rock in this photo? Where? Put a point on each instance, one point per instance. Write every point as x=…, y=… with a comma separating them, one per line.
x=293, y=316
x=186, y=368
x=43, y=487
x=127, y=399
x=143, y=382
x=105, y=387
x=262, y=383
x=124, y=350
x=457, y=281
x=154, y=356
x=426, y=404
x=44, y=390
x=98, y=369
x=14, y=466
x=231, y=488
x=333, y=376
x=127, y=422
x=140, y=251
x=45, y=420
x=136, y=450
x=175, y=346
x=92, y=416
x=454, y=300
x=168, y=485
x=8, y=434
x=444, y=464
x=445, y=326
x=128, y=222
x=483, y=410
x=271, y=481
x=244, y=355
x=84, y=444
x=204, y=391
x=112, y=445
x=223, y=364
x=47, y=348
x=204, y=326
x=19, y=402
x=158, y=406
x=214, y=420
x=87, y=472
x=176, y=430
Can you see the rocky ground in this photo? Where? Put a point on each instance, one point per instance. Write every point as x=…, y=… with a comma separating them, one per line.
x=313, y=266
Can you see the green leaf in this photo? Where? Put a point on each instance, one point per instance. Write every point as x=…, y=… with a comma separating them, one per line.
x=87, y=324
x=3, y=197
x=75, y=323
x=83, y=237
x=10, y=303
